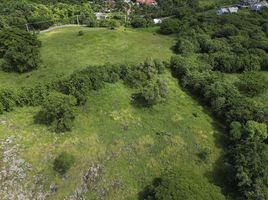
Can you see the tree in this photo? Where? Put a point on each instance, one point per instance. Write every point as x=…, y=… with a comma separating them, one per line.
x=250, y=172
x=7, y=100
x=154, y=92
x=251, y=130
x=169, y=26
x=34, y=22
x=63, y=163
x=249, y=157
x=256, y=131
x=58, y=111
x=227, y=30
x=20, y=50
x=185, y=46
x=138, y=75
x=253, y=83
x=224, y=61
x=235, y=131
x=139, y=22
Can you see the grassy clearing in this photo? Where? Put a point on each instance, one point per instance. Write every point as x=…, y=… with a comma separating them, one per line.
x=63, y=52
x=169, y=134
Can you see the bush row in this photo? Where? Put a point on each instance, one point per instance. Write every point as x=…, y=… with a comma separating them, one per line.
x=80, y=83
x=247, y=122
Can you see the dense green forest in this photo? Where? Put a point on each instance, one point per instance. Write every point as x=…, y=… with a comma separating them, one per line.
x=221, y=61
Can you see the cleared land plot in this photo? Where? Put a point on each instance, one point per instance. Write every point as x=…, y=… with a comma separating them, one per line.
x=63, y=52
x=131, y=144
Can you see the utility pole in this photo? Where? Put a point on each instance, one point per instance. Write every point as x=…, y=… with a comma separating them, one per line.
x=27, y=27
x=77, y=19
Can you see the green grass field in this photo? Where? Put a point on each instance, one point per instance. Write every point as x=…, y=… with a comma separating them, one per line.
x=169, y=134
x=63, y=52
x=131, y=144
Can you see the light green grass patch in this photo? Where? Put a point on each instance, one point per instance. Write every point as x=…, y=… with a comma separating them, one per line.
x=156, y=139
x=63, y=52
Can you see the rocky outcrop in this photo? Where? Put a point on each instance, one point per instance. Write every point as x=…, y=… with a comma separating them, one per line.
x=14, y=172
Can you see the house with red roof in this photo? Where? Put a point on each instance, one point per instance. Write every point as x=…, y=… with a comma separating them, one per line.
x=147, y=2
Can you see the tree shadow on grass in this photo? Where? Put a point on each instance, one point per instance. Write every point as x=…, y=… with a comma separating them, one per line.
x=41, y=118
x=221, y=176
x=138, y=101
x=148, y=192
x=221, y=171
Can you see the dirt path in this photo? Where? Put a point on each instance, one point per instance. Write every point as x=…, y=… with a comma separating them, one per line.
x=61, y=26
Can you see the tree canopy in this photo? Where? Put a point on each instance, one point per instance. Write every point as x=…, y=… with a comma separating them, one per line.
x=20, y=50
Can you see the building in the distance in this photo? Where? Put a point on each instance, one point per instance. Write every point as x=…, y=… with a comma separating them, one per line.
x=221, y=11
x=157, y=21
x=100, y=16
x=259, y=5
x=147, y=2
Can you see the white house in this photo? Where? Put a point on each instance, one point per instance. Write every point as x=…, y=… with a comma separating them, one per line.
x=100, y=15
x=157, y=21
x=227, y=10
x=222, y=11
x=233, y=9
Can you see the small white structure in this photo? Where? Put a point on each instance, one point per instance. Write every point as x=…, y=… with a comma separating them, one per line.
x=100, y=15
x=222, y=11
x=227, y=10
x=157, y=21
x=258, y=6
x=233, y=9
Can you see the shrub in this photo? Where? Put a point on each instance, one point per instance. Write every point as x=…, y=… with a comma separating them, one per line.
x=32, y=96
x=139, y=22
x=34, y=22
x=92, y=22
x=63, y=163
x=253, y=83
x=7, y=99
x=227, y=30
x=113, y=24
x=103, y=23
x=81, y=33
x=224, y=62
x=184, y=46
x=58, y=111
x=204, y=154
x=1, y=108
x=138, y=75
x=249, y=164
x=169, y=26
x=159, y=65
x=154, y=92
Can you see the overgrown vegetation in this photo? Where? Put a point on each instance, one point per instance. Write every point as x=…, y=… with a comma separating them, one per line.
x=210, y=46
x=63, y=163
x=19, y=50
x=229, y=105
x=58, y=111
